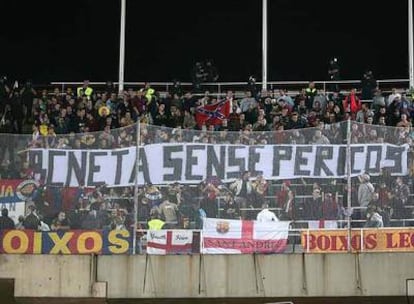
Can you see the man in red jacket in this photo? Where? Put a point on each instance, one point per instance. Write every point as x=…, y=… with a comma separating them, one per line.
x=352, y=104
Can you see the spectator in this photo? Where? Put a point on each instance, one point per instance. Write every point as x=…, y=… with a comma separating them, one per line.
x=84, y=90
x=285, y=201
x=368, y=85
x=211, y=71
x=312, y=208
x=252, y=87
x=20, y=225
x=330, y=207
x=295, y=122
x=60, y=222
x=5, y=221
x=365, y=193
x=334, y=74
x=230, y=208
x=75, y=216
x=4, y=91
x=43, y=226
x=32, y=220
x=28, y=93
x=352, y=103
x=310, y=93
x=400, y=194
x=248, y=102
x=319, y=138
x=210, y=190
x=260, y=186
x=378, y=100
x=169, y=212
x=394, y=94
x=363, y=113
x=155, y=222
x=374, y=219
x=198, y=216
x=265, y=215
x=91, y=221
x=242, y=189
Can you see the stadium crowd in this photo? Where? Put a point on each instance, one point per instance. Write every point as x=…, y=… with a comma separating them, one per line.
x=88, y=118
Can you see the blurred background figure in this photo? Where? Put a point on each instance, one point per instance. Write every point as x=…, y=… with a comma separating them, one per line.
x=368, y=85
x=334, y=74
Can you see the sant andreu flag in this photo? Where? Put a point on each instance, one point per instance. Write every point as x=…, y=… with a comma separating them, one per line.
x=213, y=114
x=222, y=236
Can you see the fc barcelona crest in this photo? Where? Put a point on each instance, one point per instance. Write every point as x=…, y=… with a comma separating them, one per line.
x=222, y=227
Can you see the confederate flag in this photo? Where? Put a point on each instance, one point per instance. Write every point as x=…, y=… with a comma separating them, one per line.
x=213, y=114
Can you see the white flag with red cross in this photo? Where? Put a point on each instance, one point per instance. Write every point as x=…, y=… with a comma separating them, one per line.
x=169, y=241
x=222, y=236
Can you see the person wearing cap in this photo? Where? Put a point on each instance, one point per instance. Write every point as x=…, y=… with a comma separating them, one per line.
x=5, y=221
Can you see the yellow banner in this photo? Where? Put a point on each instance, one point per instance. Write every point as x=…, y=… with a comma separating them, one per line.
x=372, y=240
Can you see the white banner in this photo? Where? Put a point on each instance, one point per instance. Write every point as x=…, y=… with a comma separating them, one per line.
x=169, y=241
x=192, y=163
x=222, y=236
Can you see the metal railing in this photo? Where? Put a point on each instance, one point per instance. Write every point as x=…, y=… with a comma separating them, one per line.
x=219, y=87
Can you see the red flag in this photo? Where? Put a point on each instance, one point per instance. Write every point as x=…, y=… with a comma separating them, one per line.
x=213, y=114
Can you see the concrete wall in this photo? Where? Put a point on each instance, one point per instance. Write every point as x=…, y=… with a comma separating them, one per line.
x=289, y=275
x=208, y=276
x=48, y=275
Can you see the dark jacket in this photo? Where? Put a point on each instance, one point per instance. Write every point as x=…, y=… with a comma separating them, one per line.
x=6, y=223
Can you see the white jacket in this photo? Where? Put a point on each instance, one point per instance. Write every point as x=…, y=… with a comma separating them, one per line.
x=267, y=216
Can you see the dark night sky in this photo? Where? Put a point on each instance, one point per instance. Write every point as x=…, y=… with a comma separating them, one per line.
x=79, y=39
